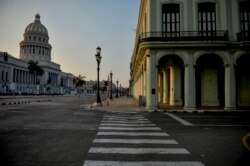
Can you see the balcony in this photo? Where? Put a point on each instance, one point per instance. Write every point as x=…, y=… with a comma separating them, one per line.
x=243, y=36
x=183, y=36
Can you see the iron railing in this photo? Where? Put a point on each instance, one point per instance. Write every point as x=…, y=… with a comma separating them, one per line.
x=243, y=36
x=183, y=36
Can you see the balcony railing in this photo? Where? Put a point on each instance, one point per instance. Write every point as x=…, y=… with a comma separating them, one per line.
x=183, y=36
x=243, y=36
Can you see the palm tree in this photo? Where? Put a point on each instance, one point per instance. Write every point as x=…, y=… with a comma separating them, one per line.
x=79, y=80
x=34, y=68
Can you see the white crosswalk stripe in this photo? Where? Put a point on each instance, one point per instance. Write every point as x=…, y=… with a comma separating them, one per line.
x=140, y=163
x=128, y=125
x=132, y=133
x=135, y=141
x=126, y=122
x=139, y=150
x=127, y=134
x=129, y=128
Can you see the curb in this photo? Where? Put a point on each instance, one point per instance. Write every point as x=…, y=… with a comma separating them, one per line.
x=24, y=102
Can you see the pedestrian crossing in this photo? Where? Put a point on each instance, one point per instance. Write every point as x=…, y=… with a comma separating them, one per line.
x=125, y=139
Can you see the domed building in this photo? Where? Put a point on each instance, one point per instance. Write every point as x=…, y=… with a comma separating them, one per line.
x=15, y=76
x=35, y=45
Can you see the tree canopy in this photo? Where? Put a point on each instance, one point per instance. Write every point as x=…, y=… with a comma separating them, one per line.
x=35, y=68
x=79, y=80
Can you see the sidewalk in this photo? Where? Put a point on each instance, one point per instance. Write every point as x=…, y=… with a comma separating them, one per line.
x=122, y=104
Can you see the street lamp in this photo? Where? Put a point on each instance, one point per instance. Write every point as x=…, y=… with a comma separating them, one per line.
x=120, y=89
x=117, y=88
x=111, y=75
x=98, y=60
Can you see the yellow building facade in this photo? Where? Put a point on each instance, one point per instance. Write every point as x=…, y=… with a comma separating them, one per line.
x=192, y=54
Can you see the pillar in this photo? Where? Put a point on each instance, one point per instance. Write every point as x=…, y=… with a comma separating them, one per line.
x=189, y=85
x=165, y=86
x=151, y=82
x=160, y=86
x=21, y=76
x=145, y=84
x=230, y=90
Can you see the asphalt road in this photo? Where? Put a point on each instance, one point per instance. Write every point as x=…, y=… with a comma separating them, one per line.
x=61, y=133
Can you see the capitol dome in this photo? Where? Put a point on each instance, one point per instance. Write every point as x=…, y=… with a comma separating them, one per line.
x=35, y=45
x=36, y=26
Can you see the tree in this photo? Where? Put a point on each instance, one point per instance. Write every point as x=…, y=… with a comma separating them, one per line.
x=34, y=68
x=79, y=80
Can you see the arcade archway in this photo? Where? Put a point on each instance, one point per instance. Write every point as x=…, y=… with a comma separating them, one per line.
x=170, y=81
x=209, y=75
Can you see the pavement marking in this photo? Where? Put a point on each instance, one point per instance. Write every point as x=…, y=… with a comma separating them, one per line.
x=135, y=141
x=130, y=128
x=159, y=134
x=182, y=121
x=117, y=124
x=205, y=116
x=138, y=150
x=124, y=119
x=141, y=163
x=130, y=117
x=226, y=125
x=129, y=122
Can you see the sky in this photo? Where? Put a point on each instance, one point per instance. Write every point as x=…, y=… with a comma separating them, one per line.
x=76, y=28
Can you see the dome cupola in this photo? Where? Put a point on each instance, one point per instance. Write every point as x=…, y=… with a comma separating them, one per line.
x=36, y=26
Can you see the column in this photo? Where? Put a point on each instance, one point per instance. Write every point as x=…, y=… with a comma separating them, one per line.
x=17, y=76
x=145, y=84
x=142, y=83
x=230, y=90
x=189, y=86
x=21, y=76
x=58, y=79
x=160, y=87
x=151, y=82
x=165, y=86
x=14, y=75
x=142, y=88
x=27, y=77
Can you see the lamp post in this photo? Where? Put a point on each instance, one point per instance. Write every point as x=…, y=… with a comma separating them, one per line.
x=98, y=60
x=120, y=89
x=117, y=88
x=111, y=75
